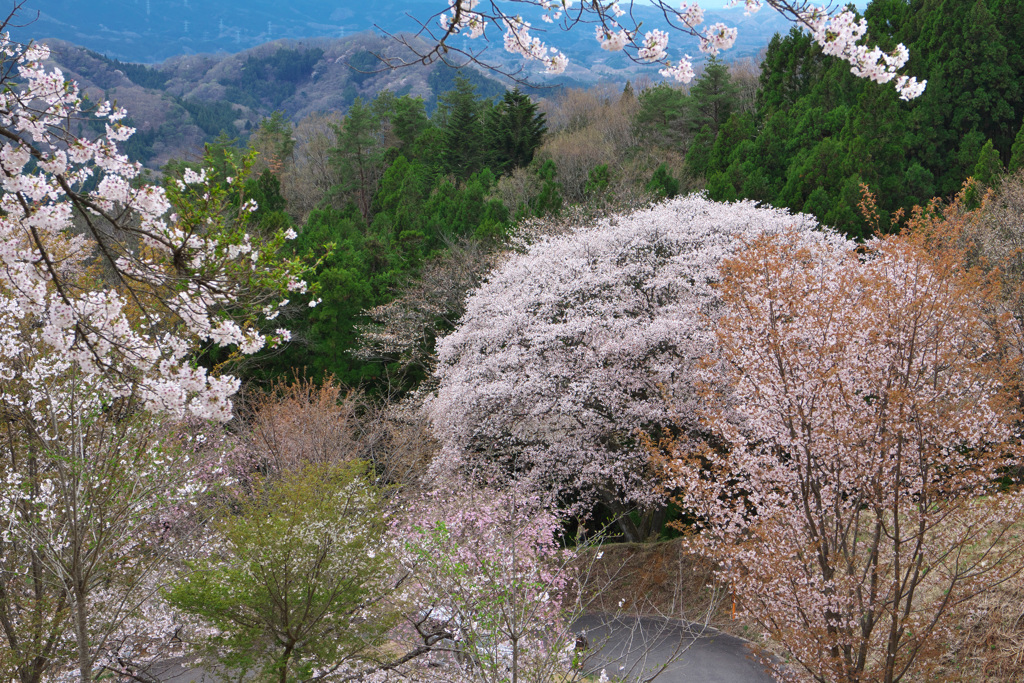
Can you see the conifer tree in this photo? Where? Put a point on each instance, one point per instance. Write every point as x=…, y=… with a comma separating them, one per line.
x=1017, y=152
x=714, y=96
x=359, y=157
x=549, y=201
x=460, y=113
x=973, y=85
x=515, y=130
x=989, y=168
x=663, y=183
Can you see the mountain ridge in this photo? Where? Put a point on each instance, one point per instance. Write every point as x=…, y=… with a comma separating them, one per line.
x=152, y=31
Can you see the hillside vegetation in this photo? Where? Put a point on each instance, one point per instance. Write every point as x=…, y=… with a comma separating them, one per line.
x=390, y=376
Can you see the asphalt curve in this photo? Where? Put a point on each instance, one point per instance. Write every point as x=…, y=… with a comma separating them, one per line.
x=634, y=649
x=629, y=649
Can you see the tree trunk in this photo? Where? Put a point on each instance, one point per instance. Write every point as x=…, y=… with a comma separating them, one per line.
x=284, y=663
x=651, y=519
x=82, y=633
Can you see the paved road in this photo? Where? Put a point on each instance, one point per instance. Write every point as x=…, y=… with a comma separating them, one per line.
x=643, y=646
x=628, y=649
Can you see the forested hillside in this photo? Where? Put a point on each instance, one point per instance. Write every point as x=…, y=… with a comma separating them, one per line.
x=817, y=132
x=187, y=101
x=315, y=372
x=399, y=191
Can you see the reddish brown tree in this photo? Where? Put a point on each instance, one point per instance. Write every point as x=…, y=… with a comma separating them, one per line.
x=854, y=497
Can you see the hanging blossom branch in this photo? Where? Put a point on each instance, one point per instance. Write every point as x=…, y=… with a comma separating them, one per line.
x=123, y=278
x=840, y=34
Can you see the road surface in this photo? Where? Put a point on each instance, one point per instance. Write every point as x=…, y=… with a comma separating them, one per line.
x=634, y=649
x=628, y=648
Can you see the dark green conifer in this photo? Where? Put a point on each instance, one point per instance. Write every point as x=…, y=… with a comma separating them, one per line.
x=515, y=129
x=989, y=167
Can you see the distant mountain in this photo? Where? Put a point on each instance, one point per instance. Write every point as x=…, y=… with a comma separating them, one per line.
x=184, y=87
x=185, y=101
x=151, y=31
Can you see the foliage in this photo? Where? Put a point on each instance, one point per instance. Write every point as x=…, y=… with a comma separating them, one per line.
x=292, y=576
x=820, y=132
x=854, y=496
x=461, y=118
x=565, y=352
x=213, y=118
x=491, y=585
x=359, y=156
x=515, y=130
x=268, y=81
x=662, y=185
x=1017, y=152
x=140, y=74
x=664, y=117
x=989, y=168
x=549, y=200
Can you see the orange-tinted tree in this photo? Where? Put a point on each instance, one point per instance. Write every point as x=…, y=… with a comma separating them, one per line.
x=853, y=495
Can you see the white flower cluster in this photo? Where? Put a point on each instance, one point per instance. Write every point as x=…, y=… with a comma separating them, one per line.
x=691, y=15
x=574, y=345
x=463, y=18
x=681, y=71
x=717, y=37
x=613, y=41
x=838, y=36
x=519, y=41
x=654, y=46
x=196, y=271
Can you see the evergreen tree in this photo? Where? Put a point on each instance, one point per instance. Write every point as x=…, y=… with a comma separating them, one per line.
x=699, y=154
x=409, y=122
x=1017, y=152
x=273, y=139
x=971, y=86
x=598, y=181
x=549, y=201
x=515, y=129
x=989, y=168
x=713, y=96
x=792, y=65
x=459, y=111
x=664, y=117
x=359, y=158
x=738, y=128
x=662, y=184
x=873, y=141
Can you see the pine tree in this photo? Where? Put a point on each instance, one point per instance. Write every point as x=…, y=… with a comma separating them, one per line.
x=359, y=157
x=549, y=201
x=664, y=116
x=714, y=96
x=662, y=183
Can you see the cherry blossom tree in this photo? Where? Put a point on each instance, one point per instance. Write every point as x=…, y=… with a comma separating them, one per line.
x=92, y=498
x=854, y=494
x=490, y=590
x=109, y=287
x=565, y=355
x=839, y=32
x=123, y=277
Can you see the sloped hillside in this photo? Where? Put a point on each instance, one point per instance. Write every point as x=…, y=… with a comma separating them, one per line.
x=191, y=99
